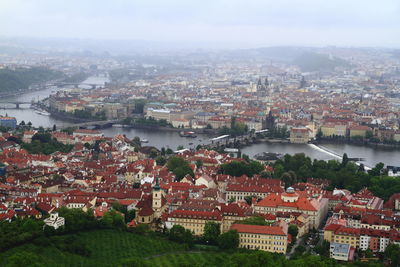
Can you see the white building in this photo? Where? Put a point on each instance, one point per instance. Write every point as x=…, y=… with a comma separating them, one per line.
x=55, y=221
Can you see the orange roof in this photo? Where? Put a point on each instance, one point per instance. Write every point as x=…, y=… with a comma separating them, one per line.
x=258, y=229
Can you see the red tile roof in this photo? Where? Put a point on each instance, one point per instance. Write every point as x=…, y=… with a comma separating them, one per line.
x=258, y=229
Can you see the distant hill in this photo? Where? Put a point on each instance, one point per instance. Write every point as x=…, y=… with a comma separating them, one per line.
x=21, y=78
x=318, y=62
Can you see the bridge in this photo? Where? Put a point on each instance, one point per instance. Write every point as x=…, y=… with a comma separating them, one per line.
x=227, y=141
x=62, y=84
x=98, y=124
x=17, y=104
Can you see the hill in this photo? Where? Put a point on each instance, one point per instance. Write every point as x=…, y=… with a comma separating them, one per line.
x=318, y=62
x=120, y=248
x=21, y=78
x=107, y=248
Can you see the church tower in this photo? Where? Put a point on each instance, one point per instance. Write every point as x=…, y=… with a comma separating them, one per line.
x=157, y=198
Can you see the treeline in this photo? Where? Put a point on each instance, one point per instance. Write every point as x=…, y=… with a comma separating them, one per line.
x=146, y=121
x=345, y=174
x=76, y=78
x=21, y=231
x=21, y=78
x=43, y=143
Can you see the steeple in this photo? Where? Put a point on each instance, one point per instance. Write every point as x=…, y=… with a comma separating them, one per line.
x=156, y=187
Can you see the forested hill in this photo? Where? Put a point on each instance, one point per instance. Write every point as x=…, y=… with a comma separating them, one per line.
x=319, y=62
x=21, y=78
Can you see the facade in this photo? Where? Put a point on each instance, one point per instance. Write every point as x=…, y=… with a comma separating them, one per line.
x=55, y=221
x=300, y=135
x=159, y=114
x=9, y=122
x=193, y=220
x=267, y=238
x=291, y=201
x=341, y=252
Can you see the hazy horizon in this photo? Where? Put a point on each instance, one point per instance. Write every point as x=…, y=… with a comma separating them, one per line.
x=219, y=23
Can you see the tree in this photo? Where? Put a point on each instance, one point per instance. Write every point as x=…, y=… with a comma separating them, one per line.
x=319, y=134
x=179, y=167
x=248, y=199
x=54, y=128
x=228, y=240
x=345, y=159
x=180, y=147
x=199, y=163
x=29, y=124
x=376, y=171
x=293, y=230
x=153, y=153
x=255, y=220
x=211, y=232
x=160, y=160
x=23, y=258
x=22, y=123
x=163, y=152
x=392, y=252
x=238, y=168
x=181, y=235
x=266, y=174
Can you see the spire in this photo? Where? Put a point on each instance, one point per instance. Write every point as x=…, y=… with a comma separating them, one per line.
x=157, y=185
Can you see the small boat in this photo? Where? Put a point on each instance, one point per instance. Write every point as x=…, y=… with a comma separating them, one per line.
x=118, y=125
x=42, y=112
x=144, y=141
x=190, y=144
x=187, y=134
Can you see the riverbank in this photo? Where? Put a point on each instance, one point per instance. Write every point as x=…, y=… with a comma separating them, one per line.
x=358, y=143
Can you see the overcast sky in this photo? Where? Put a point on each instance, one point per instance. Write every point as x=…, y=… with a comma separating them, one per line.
x=233, y=23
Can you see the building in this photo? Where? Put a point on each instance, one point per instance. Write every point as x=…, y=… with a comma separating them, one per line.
x=300, y=135
x=193, y=220
x=341, y=252
x=359, y=130
x=263, y=237
x=9, y=122
x=159, y=114
x=55, y=221
x=291, y=201
x=86, y=132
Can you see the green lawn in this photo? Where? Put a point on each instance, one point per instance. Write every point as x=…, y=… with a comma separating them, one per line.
x=108, y=248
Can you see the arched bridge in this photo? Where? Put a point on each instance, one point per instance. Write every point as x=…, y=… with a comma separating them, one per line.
x=17, y=104
x=62, y=84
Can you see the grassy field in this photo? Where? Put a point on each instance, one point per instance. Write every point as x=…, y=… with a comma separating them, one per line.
x=108, y=248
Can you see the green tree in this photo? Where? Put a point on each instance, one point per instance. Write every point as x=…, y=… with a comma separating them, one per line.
x=211, y=232
x=179, y=167
x=160, y=160
x=254, y=220
x=392, y=252
x=228, y=240
x=181, y=235
x=293, y=230
x=199, y=163
x=345, y=159
x=23, y=258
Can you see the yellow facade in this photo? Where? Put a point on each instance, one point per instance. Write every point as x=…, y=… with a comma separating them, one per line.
x=353, y=241
x=196, y=226
x=269, y=243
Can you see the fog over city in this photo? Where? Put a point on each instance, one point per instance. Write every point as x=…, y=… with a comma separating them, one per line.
x=209, y=23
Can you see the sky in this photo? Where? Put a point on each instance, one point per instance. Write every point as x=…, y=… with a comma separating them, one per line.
x=231, y=23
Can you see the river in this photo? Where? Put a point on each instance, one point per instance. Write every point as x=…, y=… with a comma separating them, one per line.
x=173, y=140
